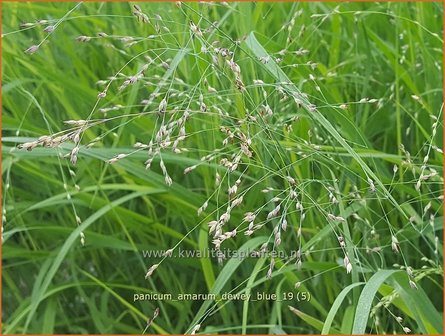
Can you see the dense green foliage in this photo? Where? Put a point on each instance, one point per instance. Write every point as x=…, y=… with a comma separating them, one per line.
x=321, y=120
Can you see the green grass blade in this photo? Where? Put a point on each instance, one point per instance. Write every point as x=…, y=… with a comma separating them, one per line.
x=226, y=274
x=39, y=292
x=258, y=50
x=335, y=306
x=366, y=298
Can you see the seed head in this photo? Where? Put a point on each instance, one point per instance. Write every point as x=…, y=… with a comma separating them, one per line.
x=394, y=243
x=83, y=38
x=151, y=270
x=347, y=264
x=29, y=146
x=102, y=95
x=162, y=106
x=168, y=253
x=195, y=29
x=195, y=329
x=73, y=155
x=237, y=201
x=249, y=217
x=49, y=29
x=82, y=238
x=32, y=49
x=284, y=224
x=168, y=180
x=274, y=212
x=189, y=169
x=203, y=208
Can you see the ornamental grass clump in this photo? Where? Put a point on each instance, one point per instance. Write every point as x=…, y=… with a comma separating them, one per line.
x=306, y=137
